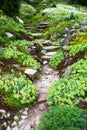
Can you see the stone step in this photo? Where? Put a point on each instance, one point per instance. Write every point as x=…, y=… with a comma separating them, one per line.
x=50, y=48
x=42, y=25
x=50, y=53
x=46, y=58
x=37, y=35
x=30, y=72
x=46, y=42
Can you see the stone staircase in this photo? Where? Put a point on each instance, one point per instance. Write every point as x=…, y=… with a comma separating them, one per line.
x=48, y=49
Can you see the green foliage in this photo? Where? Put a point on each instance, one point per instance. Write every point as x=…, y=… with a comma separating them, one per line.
x=20, y=45
x=79, y=68
x=74, y=49
x=20, y=57
x=64, y=117
x=26, y=12
x=57, y=59
x=10, y=7
x=18, y=91
x=56, y=43
x=68, y=91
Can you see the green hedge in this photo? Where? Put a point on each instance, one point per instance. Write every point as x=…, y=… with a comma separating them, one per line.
x=64, y=118
x=16, y=91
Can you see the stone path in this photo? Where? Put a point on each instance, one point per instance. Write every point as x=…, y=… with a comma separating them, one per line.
x=48, y=76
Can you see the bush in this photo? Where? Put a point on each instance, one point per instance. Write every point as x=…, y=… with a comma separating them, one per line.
x=10, y=7
x=57, y=59
x=16, y=91
x=64, y=118
x=68, y=91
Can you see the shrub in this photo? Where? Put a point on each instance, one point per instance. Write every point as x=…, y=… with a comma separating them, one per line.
x=17, y=90
x=20, y=57
x=75, y=49
x=68, y=91
x=10, y=7
x=64, y=117
x=57, y=59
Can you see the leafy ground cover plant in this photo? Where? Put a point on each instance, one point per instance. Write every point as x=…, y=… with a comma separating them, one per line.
x=63, y=117
x=74, y=49
x=16, y=91
x=20, y=57
x=57, y=59
x=68, y=91
x=79, y=68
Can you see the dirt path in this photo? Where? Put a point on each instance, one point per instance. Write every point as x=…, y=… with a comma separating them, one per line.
x=48, y=76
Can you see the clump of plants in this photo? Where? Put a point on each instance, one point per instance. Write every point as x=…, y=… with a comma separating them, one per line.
x=20, y=57
x=57, y=59
x=75, y=49
x=64, y=117
x=82, y=38
x=26, y=12
x=68, y=91
x=78, y=68
x=16, y=91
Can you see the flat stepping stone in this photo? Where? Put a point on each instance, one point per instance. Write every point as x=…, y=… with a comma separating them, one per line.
x=31, y=73
x=46, y=42
x=37, y=35
x=42, y=25
x=51, y=48
x=50, y=53
x=47, y=58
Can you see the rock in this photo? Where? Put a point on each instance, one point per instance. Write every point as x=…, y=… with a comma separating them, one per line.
x=42, y=25
x=46, y=42
x=31, y=73
x=8, y=114
x=66, y=74
x=58, y=35
x=62, y=41
x=3, y=112
x=14, y=124
x=15, y=128
x=16, y=66
x=45, y=62
x=5, y=124
x=72, y=31
x=21, y=122
x=43, y=51
x=50, y=48
x=24, y=113
x=26, y=109
x=83, y=22
x=76, y=25
x=27, y=127
x=50, y=53
x=10, y=35
x=37, y=35
x=16, y=117
x=8, y=128
x=19, y=20
x=82, y=29
x=47, y=58
x=23, y=117
x=65, y=35
x=66, y=30
x=32, y=49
